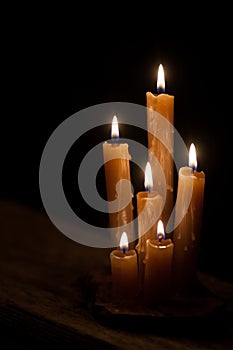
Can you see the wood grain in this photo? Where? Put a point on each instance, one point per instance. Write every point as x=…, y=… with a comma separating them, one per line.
x=45, y=293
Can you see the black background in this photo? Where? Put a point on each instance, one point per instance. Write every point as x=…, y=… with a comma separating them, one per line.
x=51, y=73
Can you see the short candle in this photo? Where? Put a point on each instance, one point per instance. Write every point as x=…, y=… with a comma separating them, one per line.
x=124, y=268
x=158, y=270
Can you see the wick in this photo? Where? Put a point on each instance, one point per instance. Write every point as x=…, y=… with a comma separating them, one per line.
x=114, y=140
x=124, y=250
x=160, y=90
x=160, y=236
x=193, y=169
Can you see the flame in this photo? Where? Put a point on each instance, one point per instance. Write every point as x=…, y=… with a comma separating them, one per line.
x=124, y=244
x=115, y=128
x=148, y=183
x=160, y=230
x=161, y=79
x=192, y=157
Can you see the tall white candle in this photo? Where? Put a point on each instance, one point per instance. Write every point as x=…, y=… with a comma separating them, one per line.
x=188, y=224
x=160, y=141
x=117, y=168
x=149, y=208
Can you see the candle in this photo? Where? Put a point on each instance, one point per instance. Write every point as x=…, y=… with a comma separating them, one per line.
x=162, y=145
x=124, y=268
x=158, y=269
x=117, y=168
x=188, y=224
x=149, y=207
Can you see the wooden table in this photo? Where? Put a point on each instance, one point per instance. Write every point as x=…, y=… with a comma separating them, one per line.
x=44, y=294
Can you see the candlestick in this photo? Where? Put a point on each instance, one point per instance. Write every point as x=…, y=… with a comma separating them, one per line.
x=186, y=238
x=158, y=269
x=117, y=167
x=163, y=104
x=124, y=270
x=149, y=208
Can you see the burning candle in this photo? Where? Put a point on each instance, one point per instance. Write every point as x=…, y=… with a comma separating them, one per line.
x=124, y=268
x=149, y=208
x=188, y=224
x=118, y=182
x=158, y=269
x=161, y=137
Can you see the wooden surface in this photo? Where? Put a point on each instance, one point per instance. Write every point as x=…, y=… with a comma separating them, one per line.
x=45, y=294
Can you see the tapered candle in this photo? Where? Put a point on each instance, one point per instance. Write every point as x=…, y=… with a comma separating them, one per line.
x=161, y=138
x=117, y=168
x=188, y=224
x=124, y=268
x=158, y=269
x=149, y=208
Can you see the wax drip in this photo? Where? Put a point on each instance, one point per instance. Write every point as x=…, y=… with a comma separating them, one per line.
x=146, y=226
x=186, y=234
x=192, y=221
x=179, y=233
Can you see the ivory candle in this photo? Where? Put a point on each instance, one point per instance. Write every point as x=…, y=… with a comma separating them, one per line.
x=188, y=224
x=149, y=208
x=124, y=268
x=117, y=167
x=158, y=269
x=162, y=146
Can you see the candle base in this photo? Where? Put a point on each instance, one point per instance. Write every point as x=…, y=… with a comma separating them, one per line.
x=183, y=313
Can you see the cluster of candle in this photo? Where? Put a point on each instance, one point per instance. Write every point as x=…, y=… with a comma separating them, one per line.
x=157, y=266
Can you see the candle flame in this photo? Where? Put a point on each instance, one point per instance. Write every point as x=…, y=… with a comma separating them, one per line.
x=192, y=157
x=161, y=79
x=115, y=128
x=148, y=183
x=160, y=230
x=124, y=245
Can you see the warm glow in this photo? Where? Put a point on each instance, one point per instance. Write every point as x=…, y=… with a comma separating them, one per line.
x=148, y=183
x=161, y=79
x=160, y=230
x=124, y=245
x=192, y=157
x=115, y=128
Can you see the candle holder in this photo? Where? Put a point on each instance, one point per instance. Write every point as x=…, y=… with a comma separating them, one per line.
x=186, y=312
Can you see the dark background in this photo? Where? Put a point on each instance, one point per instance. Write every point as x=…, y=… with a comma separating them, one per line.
x=50, y=75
